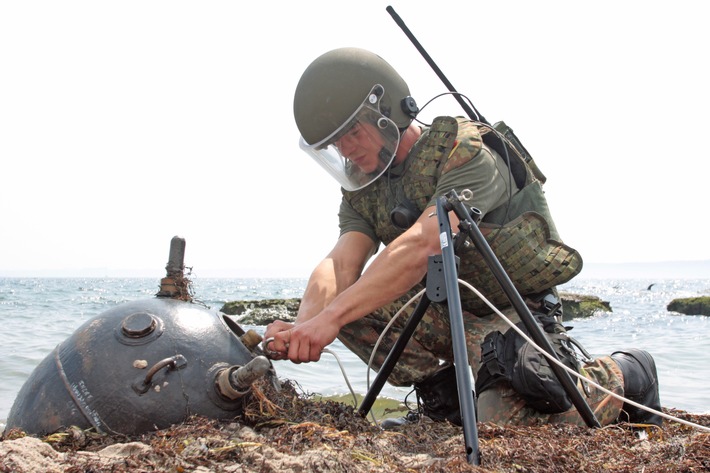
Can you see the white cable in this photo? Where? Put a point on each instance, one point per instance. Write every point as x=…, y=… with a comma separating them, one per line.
x=387, y=327
x=347, y=381
x=572, y=372
x=379, y=339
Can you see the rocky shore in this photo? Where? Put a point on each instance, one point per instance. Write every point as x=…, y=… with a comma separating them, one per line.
x=574, y=306
x=263, y=312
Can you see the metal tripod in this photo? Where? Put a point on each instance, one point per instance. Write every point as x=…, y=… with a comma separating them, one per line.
x=446, y=265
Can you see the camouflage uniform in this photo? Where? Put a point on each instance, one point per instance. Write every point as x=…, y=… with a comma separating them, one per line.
x=520, y=231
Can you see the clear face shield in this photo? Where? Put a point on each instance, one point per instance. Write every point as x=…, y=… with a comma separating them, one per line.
x=361, y=149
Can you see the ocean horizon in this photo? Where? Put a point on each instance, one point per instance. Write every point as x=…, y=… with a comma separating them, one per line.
x=696, y=269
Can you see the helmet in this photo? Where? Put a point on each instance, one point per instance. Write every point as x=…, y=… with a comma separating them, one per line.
x=336, y=83
x=340, y=89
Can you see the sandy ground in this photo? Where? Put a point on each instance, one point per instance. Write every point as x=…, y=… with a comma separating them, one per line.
x=290, y=432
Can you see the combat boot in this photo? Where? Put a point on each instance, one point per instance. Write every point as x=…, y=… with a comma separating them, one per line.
x=640, y=386
x=437, y=398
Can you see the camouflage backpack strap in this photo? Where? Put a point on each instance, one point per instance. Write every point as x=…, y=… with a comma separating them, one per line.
x=449, y=143
x=427, y=158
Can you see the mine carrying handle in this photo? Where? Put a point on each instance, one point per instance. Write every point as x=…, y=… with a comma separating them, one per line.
x=502, y=147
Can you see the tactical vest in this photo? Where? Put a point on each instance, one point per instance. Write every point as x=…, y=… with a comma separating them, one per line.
x=521, y=234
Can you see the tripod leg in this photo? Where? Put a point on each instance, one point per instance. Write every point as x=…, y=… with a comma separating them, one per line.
x=393, y=356
x=458, y=337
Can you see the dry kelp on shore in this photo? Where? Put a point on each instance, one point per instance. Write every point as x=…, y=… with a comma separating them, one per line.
x=293, y=432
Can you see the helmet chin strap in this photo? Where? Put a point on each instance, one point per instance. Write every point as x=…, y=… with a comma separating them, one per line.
x=384, y=156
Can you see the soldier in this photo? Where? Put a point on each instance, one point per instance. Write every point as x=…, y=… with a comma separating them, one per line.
x=355, y=116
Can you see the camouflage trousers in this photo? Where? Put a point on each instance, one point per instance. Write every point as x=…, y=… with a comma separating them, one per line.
x=430, y=347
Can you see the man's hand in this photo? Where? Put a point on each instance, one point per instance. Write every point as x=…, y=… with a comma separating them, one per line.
x=276, y=339
x=300, y=343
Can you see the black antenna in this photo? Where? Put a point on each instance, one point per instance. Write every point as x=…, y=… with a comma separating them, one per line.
x=493, y=140
x=468, y=108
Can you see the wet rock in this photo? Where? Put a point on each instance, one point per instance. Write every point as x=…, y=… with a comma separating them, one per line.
x=262, y=312
x=690, y=305
x=575, y=306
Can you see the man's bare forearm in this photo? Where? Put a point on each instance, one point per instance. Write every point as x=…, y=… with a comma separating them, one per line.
x=395, y=271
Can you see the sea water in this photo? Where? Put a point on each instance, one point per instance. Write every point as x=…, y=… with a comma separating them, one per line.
x=38, y=313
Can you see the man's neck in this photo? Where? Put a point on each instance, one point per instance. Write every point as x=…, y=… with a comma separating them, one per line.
x=409, y=137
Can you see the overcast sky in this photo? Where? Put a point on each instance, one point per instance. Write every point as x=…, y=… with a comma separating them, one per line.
x=125, y=123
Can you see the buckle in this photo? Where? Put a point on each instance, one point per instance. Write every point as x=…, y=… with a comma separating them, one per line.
x=489, y=354
x=551, y=305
